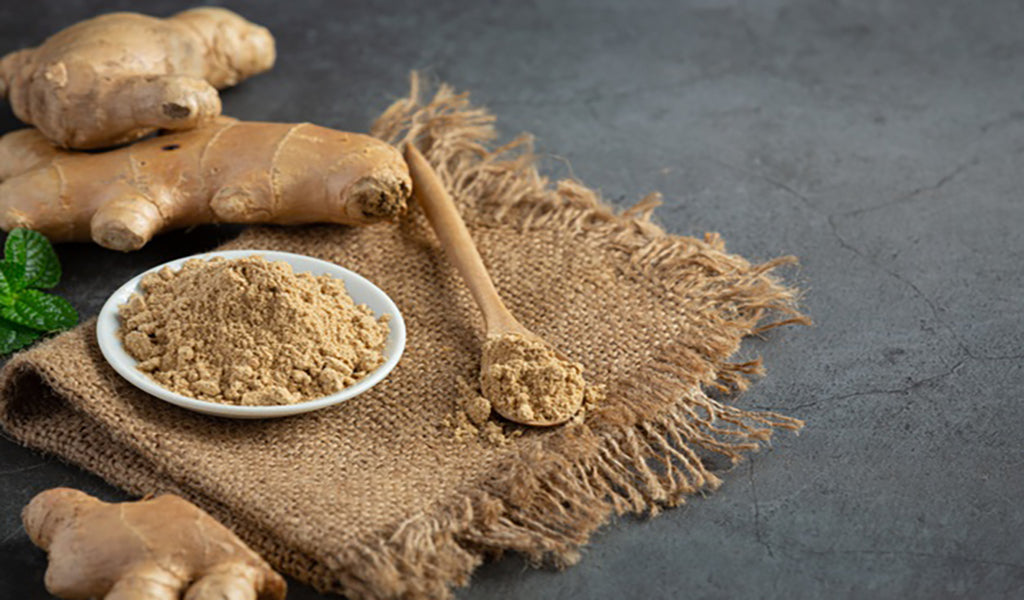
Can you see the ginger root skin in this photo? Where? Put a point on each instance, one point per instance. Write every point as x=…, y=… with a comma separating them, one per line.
x=152, y=549
x=226, y=172
x=118, y=77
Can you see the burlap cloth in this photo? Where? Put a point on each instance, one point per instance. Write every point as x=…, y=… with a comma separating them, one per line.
x=376, y=497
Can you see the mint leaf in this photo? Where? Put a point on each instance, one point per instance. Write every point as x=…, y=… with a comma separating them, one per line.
x=14, y=336
x=40, y=311
x=25, y=313
x=12, y=280
x=32, y=250
x=16, y=247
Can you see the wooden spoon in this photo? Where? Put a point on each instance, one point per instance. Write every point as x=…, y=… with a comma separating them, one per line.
x=458, y=245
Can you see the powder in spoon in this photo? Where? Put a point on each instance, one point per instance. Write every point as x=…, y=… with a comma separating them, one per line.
x=526, y=381
x=250, y=332
x=472, y=417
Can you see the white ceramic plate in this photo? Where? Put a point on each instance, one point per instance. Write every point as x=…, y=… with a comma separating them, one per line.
x=359, y=288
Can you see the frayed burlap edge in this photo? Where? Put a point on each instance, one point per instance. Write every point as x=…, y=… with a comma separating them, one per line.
x=638, y=453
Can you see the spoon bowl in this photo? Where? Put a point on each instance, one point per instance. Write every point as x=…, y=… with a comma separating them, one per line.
x=514, y=364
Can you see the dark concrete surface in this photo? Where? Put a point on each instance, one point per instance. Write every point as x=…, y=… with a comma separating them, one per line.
x=881, y=142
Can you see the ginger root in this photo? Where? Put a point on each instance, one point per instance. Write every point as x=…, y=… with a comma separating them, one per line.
x=145, y=550
x=226, y=172
x=118, y=77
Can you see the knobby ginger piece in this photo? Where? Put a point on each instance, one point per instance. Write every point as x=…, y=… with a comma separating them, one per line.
x=226, y=172
x=152, y=549
x=118, y=77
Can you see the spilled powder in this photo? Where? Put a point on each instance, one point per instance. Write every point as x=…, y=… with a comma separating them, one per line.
x=473, y=418
x=526, y=381
x=250, y=332
x=531, y=380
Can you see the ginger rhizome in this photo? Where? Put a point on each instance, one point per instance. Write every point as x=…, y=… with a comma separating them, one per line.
x=226, y=172
x=118, y=77
x=152, y=549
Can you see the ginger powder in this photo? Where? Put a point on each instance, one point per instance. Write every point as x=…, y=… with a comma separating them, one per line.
x=250, y=332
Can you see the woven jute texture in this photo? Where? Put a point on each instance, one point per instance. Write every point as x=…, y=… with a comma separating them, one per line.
x=376, y=498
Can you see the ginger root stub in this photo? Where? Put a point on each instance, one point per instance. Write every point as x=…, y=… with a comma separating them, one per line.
x=152, y=549
x=226, y=172
x=118, y=77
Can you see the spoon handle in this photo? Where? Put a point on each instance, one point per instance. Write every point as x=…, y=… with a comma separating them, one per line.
x=458, y=245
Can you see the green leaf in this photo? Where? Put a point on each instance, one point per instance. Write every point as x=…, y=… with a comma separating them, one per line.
x=16, y=246
x=40, y=311
x=14, y=336
x=32, y=250
x=12, y=280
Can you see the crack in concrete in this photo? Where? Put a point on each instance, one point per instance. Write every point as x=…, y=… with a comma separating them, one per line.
x=901, y=391
x=601, y=94
x=995, y=357
x=10, y=536
x=22, y=469
x=932, y=305
x=758, y=534
x=797, y=407
x=1012, y=117
x=770, y=180
x=916, y=554
x=914, y=193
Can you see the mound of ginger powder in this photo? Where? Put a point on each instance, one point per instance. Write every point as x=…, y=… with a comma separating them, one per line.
x=250, y=332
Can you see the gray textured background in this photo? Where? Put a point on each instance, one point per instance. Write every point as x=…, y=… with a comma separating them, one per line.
x=881, y=142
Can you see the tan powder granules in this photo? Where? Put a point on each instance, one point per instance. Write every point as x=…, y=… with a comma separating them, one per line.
x=526, y=381
x=250, y=332
x=472, y=417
